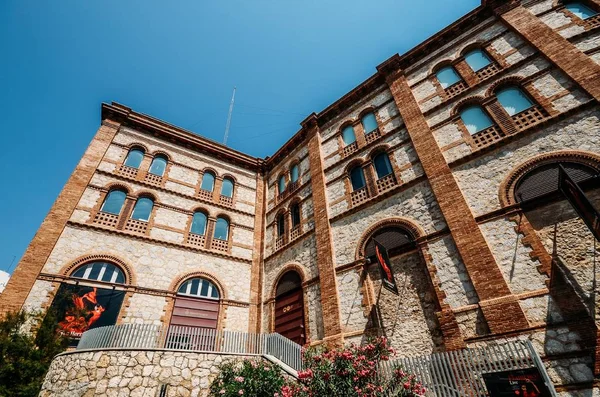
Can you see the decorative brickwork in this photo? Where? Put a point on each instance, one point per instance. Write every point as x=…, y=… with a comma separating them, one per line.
x=39, y=249
x=476, y=255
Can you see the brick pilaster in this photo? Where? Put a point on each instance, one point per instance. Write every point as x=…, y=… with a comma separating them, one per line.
x=32, y=262
x=500, y=308
x=559, y=50
x=256, y=271
x=330, y=301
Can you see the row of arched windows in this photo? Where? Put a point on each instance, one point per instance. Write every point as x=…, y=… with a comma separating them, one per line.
x=158, y=166
x=112, y=209
x=384, y=176
x=288, y=225
x=369, y=124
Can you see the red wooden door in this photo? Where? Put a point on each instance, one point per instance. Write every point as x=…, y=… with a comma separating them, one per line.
x=289, y=315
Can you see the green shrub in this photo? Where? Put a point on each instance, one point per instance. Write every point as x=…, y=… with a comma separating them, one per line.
x=250, y=378
x=26, y=356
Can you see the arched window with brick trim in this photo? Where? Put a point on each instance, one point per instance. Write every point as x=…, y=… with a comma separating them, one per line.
x=383, y=166
x=227, y=187
x=475, y=119
x=369, y=122
x=100, y=271
x=580, y=9
x=281, y=184
x=159, y=165
x=281, y=225
x=348, y=135
x=199, y=222
x=357, y=178
x=208, y=181
x=514, y=100
x=295, y=214
x=134, y=157
x=294, y=173
x=477, y=59
x=113, y=203
x=447, y=76
x=142, y=209
x=221, y=229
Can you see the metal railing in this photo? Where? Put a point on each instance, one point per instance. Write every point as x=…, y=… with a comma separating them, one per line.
x=460, y=373
x=148, y=336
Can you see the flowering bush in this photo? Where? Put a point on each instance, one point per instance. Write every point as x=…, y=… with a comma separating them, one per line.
x=249, y=378
x=351, y=372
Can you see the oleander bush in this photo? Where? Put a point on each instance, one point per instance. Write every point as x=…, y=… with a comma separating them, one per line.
x=250, y=378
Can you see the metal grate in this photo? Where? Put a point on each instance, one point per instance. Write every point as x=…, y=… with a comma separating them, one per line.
x=349, y=149
x=543, y=180
x=106, y=219
x=487, y=137
x=386, y=183
x=394, y=239
x=133, y=225
x=529, y=117
x=373, y=135
x=196, y=240
x=128, y=171
x=360, y=195
x=455, y=89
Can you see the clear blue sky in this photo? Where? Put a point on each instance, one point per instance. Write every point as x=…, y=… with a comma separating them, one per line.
x=178, y=61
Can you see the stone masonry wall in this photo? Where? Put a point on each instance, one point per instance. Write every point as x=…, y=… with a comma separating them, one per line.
x=133, y=373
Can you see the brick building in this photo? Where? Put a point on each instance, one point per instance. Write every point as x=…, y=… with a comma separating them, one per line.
x=448, y=155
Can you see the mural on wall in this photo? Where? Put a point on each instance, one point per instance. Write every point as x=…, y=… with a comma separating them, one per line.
x=517, y=383
x=79, y=308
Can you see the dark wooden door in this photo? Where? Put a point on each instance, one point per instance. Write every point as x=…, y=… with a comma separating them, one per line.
x=199, y=316
x=289, y=315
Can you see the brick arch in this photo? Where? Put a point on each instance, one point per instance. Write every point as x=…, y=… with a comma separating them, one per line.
x=161, y=153
x=177, y=281
x=118, y=186
x=503, y=82
x=127, y=269
x=410, y=226
x=471, y=100
x=146, y=193
x=507, y=187
x=441, y=64
x=230, y=176
x=295, y=200
x=382, y=148
x=211, y=170
x=347, y=123
x=367, y=110
x=137, y=145
x=470, y=47
x=357, y=161
x=199, y=208
x=292, y=266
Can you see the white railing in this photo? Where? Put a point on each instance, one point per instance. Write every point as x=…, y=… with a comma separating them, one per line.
x=148, y=336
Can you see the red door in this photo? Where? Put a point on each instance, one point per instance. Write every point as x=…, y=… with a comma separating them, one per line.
x=289, y=315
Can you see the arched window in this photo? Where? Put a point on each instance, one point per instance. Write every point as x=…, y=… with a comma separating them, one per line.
x=208, y=181
x=295, y=215
x=477, y=59
x=199, y=223
x=113, y=203
x=543, y=180
x=134, y=158
x=281, y=184
x=369, y=122
x=199, y=287
x=221, y=229
x=475, y=119
x=580, y=10
x=227, y=188
x=447, y=76
x=383, y=167
x=348, y=135
x=100, y=271
x=142, y=209
x=357, y=177
x=395, y=239
x=280, y=225
x=513, y=100
x=158, y=166
x=294, y=173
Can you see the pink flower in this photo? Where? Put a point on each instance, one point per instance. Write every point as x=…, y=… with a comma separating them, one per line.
x=241, y=392
x=222, y=391
x=239, y=379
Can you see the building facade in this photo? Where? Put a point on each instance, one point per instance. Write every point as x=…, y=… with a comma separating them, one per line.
x=448, y=155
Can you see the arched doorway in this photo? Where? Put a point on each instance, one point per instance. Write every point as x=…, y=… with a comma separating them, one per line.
x=289, y=308
x=195, y=316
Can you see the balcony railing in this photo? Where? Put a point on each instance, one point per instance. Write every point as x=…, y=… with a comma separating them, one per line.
x=136, y=226
x=486, y=137
x=196, y=240
x=226, y=200
x=455, y=89
x=373, y=135
x=360, y=195
x=291, y=188
x=280, y=242
x=219, y=245
x=385, y=183
x=106, y=219
x=295, y=232
x=349, y=149
x=205, y=194
x=488, y=71
x=153, y=179
x=128, y=171
x=149, y=336
x=593, y=22
x=529, y=117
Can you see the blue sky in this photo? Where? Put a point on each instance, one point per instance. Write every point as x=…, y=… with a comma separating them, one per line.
x=178, y=61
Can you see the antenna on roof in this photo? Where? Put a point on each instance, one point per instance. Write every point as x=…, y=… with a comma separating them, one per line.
x=229, y=117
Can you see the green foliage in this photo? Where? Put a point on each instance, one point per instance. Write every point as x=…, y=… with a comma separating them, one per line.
x=250, y=378
x=25, y=357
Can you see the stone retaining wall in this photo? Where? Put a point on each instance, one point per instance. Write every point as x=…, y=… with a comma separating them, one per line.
x=135, y=373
